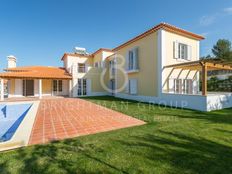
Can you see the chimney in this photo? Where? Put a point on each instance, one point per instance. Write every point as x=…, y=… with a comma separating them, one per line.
x=11, y=61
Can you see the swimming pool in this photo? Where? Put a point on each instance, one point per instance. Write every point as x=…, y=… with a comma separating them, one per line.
x=10, y=118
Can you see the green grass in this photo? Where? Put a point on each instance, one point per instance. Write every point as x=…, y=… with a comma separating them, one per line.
x=172, y=141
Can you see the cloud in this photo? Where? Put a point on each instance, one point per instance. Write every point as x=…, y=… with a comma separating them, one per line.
x=207, y=20
x=228, y=10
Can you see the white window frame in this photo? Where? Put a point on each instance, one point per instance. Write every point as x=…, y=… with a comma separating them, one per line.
x=182, y=51
x=112, y=66
x=57, y=86
x=99, y=64
x=188, y=86
x=132, y=58
x=183, y=86
x=81, y=68
x=81, y=87
x=178, y=87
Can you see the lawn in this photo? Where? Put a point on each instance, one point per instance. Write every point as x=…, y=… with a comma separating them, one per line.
x=172, y=141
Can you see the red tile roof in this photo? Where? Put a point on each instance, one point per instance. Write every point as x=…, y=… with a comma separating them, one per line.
x=102, y=49
x=36, y=72
x=164, y=26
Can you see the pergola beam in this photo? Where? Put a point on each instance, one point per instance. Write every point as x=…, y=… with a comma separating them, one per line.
x=196, y=65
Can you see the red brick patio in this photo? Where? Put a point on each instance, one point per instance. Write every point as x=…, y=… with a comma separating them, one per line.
x=66, y=118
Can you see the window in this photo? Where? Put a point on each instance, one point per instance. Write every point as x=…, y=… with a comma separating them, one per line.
x=112, y=67
x=188, y=86
x=182, y=51
x=132, y=86
x=60, y=84
x=132, y=59
x=82, y=87
x=79, y=91
x=99, y=64
x=178, y=86
x=81, y=67
x=57, y=85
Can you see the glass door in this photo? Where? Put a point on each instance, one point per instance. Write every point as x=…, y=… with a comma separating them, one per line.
x=82, y=87
x=57, y=87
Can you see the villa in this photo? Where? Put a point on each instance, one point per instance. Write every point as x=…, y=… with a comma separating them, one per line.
x=161, y=65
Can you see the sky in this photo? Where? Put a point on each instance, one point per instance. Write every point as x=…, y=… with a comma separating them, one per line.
x=38, y=32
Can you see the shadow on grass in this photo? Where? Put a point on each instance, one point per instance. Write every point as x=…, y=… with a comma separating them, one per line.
x=69, y=156
x=183, y=153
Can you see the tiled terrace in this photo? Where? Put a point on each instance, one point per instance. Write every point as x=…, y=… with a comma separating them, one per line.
x=66, y=118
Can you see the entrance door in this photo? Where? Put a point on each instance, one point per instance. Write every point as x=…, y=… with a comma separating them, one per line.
x=28, y=87
x=57, y=87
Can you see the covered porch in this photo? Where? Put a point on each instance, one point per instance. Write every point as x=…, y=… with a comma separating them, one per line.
x=201, y=68
x=194, y=92
x=35, y=88
x=34, y=82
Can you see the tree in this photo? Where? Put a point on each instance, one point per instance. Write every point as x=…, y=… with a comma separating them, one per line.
x=222, y=50
x=206, y=57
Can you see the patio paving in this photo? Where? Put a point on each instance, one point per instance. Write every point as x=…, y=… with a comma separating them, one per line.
x=58, y=119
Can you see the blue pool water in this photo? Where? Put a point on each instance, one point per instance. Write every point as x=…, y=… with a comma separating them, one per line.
x=10, y=118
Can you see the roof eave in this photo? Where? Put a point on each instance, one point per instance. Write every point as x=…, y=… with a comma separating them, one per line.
x=164, y=26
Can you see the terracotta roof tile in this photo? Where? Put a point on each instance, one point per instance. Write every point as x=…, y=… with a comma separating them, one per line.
x=102, y=49
x=37, y=72
x=164, y=26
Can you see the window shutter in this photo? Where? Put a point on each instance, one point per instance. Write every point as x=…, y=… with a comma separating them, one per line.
x=127, y=61
x=136, y=58
x=189, y=52
x=176, y=50
x=133, y=86
x=127, y=87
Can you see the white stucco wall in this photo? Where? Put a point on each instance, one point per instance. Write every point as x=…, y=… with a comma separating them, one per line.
x=219, y=101
x=18, y=88
x=195, y=102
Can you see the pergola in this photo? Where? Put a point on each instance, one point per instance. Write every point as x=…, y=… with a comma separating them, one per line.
x=204, y=66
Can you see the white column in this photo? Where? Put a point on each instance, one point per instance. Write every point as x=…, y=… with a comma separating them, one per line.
x=70, y=86
x=40, y=88
x=2, y=90
x=161, y=60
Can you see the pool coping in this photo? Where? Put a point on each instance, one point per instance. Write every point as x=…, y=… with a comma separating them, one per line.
x=23, y=132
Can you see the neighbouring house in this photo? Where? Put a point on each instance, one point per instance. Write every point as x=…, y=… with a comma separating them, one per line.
x=161, y=66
